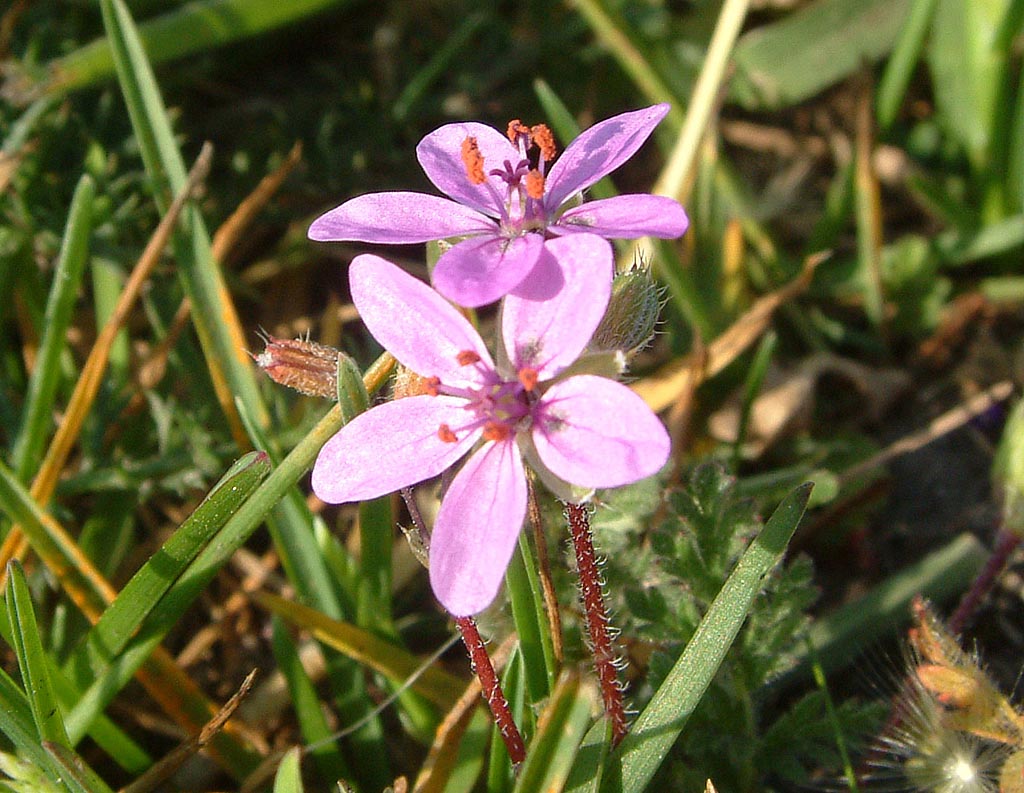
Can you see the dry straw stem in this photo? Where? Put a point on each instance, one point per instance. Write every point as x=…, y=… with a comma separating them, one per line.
x=662, y=389
x=162, y=770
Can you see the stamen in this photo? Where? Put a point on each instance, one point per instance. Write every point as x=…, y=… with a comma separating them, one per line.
x=544, y=140
x=444, y=432
x=467, y=357
x=535, y=184
x=528, y=378
x=517, y=128
x=473, y=160
x=496, y=431
x=432, y=386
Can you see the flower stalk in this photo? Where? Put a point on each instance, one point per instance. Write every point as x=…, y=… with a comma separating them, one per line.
x=596, y=615
x=491, y=689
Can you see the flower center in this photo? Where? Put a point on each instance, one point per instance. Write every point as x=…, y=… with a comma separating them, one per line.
x=521, y=196
x=501, y=407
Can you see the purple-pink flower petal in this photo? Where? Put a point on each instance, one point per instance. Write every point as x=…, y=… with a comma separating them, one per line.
x=480, y=270
x=389, y=447
x=594, y=432
x=414, y=323
x=626, y=217
x=440, y=156
x=598, y=151
x=476, y=529
x=399, y=218
x=549, y=334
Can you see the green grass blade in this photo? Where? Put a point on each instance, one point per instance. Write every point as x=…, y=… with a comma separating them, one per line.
x=306, y=702
x=76, y=775
x=905, y=53
x=122, y=618
x=660, y=723
x=560, y=730
x=32, y=662
x=17, y=723
x=42, y=386
x=776, y=67
x=288, y=778
x=194, y=27
x=531, y=621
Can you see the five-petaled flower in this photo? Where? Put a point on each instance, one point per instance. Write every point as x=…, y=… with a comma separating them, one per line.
x=507, y=206
x=582, y=429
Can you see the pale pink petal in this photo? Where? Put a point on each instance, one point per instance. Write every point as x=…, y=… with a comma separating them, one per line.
x=440, y=156
x=598, y=151
x=476, y=529
x=478, y=271
x=399, y=218
x=391, y=446
x=594, y=432
x=549, y=334
x=415, y=324
x=626, y=217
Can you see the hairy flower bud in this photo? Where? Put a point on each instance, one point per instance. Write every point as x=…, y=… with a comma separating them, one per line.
x=303, y=365
x=632, y=312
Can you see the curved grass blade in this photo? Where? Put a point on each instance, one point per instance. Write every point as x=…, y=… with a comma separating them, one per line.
x=42, y=385
x=560, y=730
x=32, y=661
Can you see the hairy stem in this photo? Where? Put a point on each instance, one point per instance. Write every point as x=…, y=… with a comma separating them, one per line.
x=597, y=619
x=491, y=689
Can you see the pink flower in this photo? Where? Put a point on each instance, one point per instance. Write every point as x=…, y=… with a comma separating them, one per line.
x=504, y=205
x=581, y=429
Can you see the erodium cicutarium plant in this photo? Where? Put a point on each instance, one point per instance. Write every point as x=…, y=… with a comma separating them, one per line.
x=542, y=400
x=509, y=201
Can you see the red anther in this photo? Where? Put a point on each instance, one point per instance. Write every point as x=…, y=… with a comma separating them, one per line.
x=473, y=160
x=535, y=184
x=432, y=386
x=467, y=357
x=528, y=378
x=444, y=432
x=543, y=140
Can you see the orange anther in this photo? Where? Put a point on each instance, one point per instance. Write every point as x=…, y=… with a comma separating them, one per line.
x=473, y=160
x=544, y=140
x=535, y=185
x=467, y=357
x=432, y=386
x=494, y=431
x=528, y=378
x=444, y=432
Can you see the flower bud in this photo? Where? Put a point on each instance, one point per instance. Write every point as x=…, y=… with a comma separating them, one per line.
x=303, y=365
x=632, y=313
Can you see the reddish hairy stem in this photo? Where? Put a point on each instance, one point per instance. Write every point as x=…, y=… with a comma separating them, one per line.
x=1006, y=542
x=597, y=619
x=491, y=689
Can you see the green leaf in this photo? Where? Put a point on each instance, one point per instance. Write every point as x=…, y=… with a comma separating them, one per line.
x=561, y=728
x=36, y=418
x=288, y=778
x=28, y=647
x=312, y=721
x=784, y=63
x=660, y=723
x=76, y=775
